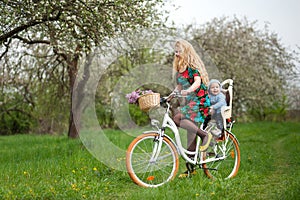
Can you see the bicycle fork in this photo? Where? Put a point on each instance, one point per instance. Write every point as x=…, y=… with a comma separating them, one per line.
x=156, y=149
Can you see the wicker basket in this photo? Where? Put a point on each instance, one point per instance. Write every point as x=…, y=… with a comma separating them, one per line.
x=148, y=101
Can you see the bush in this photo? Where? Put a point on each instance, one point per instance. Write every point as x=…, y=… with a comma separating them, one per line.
x=15, y=122
x=107, y=120
x=277, y=111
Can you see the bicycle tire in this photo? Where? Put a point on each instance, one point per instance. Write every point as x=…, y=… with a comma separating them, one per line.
x=151, y=174
x=228, y=167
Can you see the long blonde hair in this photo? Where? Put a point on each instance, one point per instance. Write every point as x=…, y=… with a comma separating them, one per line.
x=189, y=57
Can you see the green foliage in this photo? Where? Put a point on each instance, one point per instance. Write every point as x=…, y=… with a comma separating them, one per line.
x=54, y=167
x=139, y=117
x=33, y=104
x=276, y=111
x=105, y=116
x=15, y=115
x=15, y=123
x=51, y=108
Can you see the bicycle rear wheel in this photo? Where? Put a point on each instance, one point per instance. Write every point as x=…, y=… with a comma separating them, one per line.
x=227, y=167
x=151, y=173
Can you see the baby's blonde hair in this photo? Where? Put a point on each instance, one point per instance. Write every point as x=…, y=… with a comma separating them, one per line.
x=189, y=57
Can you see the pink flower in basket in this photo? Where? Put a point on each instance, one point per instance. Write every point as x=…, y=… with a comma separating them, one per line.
x=133, y=96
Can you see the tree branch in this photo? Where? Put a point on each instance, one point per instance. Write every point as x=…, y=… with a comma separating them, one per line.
x=6, y=50
x=29, y=24
x=31, y=41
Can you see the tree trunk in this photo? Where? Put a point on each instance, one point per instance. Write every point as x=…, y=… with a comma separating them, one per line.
x=72, y=61
x=76, y=100
x=73, y=132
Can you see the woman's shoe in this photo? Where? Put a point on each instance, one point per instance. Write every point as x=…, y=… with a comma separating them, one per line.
x=190, y=171
x=205, y=146
x=187, y=173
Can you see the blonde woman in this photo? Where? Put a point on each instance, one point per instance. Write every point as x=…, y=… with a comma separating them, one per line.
x=192, y=81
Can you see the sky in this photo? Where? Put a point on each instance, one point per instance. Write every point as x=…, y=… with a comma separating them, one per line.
x=283, y=16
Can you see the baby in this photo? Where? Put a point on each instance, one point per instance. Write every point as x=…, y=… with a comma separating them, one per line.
x=217, y=100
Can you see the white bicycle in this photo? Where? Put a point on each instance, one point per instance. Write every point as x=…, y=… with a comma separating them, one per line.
x=153, y=157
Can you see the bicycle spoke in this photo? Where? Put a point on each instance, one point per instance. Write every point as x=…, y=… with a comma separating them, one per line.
x=227, y=167
x=146, y=171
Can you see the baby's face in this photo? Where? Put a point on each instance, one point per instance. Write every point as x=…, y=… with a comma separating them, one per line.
x=214, y=88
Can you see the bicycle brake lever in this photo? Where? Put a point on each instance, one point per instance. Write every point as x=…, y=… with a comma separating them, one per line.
x=163, y=100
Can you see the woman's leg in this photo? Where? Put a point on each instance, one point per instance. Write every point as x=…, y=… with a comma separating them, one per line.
x=191, y=141
x=191, y=132
x=192, y=128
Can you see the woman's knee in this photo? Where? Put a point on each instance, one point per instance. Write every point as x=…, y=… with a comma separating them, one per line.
x=177, y=119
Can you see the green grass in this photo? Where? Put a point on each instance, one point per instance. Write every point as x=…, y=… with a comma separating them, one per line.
x=54, y=167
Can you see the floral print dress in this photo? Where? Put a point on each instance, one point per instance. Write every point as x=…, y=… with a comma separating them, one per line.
x=197, y=103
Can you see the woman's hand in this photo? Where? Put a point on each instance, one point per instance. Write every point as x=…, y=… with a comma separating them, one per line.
x=185, y=92
x=193, y=87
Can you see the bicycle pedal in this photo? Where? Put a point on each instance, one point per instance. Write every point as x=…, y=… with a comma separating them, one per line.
x=210, y=154
x=218, y=156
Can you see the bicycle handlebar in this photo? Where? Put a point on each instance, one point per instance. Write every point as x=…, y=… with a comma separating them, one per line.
x=174, y=94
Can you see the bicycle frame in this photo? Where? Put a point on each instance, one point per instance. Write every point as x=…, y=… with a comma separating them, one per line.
x=169, y=123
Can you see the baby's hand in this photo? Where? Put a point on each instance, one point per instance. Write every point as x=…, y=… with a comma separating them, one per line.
x=212, y=110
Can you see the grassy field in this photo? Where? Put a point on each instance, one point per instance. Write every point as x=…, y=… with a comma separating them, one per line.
x=54, y=167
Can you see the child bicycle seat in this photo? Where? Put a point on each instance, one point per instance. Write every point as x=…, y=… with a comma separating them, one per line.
x=226, y=111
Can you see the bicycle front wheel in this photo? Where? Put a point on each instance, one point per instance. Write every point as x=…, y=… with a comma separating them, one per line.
x=227, y=149
x=146, y=169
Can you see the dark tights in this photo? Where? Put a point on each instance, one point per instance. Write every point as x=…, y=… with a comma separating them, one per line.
x=192, y=130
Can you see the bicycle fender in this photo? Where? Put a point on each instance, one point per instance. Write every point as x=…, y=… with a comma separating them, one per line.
x=233, y=136
x=172, y=141
x=169, y=138
x=145, y=132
